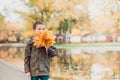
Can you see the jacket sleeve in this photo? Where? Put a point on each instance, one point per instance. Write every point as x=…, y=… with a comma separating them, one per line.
x=52, y=51
x=27, y=58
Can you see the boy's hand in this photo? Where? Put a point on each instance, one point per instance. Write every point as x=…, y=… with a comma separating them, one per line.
x=46, y=47
x=28, y=74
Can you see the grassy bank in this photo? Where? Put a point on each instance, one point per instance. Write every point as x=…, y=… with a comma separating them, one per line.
x=89, y=45
x=67, y=45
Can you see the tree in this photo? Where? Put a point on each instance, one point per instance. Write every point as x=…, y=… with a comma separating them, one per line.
x=40, y=10
x=63, y=25
x=2, y=24
x=57, y=14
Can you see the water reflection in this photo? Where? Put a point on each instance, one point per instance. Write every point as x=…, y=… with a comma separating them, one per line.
x=14, y=55
x=75, y=63
x=87, y=64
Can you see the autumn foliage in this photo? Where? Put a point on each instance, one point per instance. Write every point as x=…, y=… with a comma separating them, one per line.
x=44, y=38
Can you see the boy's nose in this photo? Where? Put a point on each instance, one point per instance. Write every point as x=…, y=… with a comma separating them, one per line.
x=40, y=30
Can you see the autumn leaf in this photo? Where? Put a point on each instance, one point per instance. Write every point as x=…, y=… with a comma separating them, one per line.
x=44, y=38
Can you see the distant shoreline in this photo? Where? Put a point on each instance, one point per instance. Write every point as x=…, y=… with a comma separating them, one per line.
x=114, y=44
x=12, y=44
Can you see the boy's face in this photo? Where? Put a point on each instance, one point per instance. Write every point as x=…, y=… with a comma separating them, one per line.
x=39, y=28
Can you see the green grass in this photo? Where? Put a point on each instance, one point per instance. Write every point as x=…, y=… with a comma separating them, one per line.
x=88, y=45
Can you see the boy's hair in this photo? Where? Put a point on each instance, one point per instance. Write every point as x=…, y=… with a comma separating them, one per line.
x=37, y=23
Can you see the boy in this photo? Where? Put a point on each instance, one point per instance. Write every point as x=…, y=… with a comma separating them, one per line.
x=37, y=60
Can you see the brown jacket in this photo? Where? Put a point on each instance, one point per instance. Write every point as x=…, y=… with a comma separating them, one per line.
x=36, y=60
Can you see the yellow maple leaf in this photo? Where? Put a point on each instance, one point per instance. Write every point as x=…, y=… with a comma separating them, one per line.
x=44, y=38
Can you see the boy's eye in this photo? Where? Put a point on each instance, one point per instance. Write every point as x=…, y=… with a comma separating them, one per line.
x=41, y=29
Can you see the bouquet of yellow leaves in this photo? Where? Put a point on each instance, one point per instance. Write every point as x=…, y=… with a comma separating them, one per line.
x=44, y=38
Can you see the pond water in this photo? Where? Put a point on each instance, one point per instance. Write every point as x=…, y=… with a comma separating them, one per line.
x=82, y=63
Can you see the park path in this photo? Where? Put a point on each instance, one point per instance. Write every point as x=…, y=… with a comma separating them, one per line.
x=11, y=72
